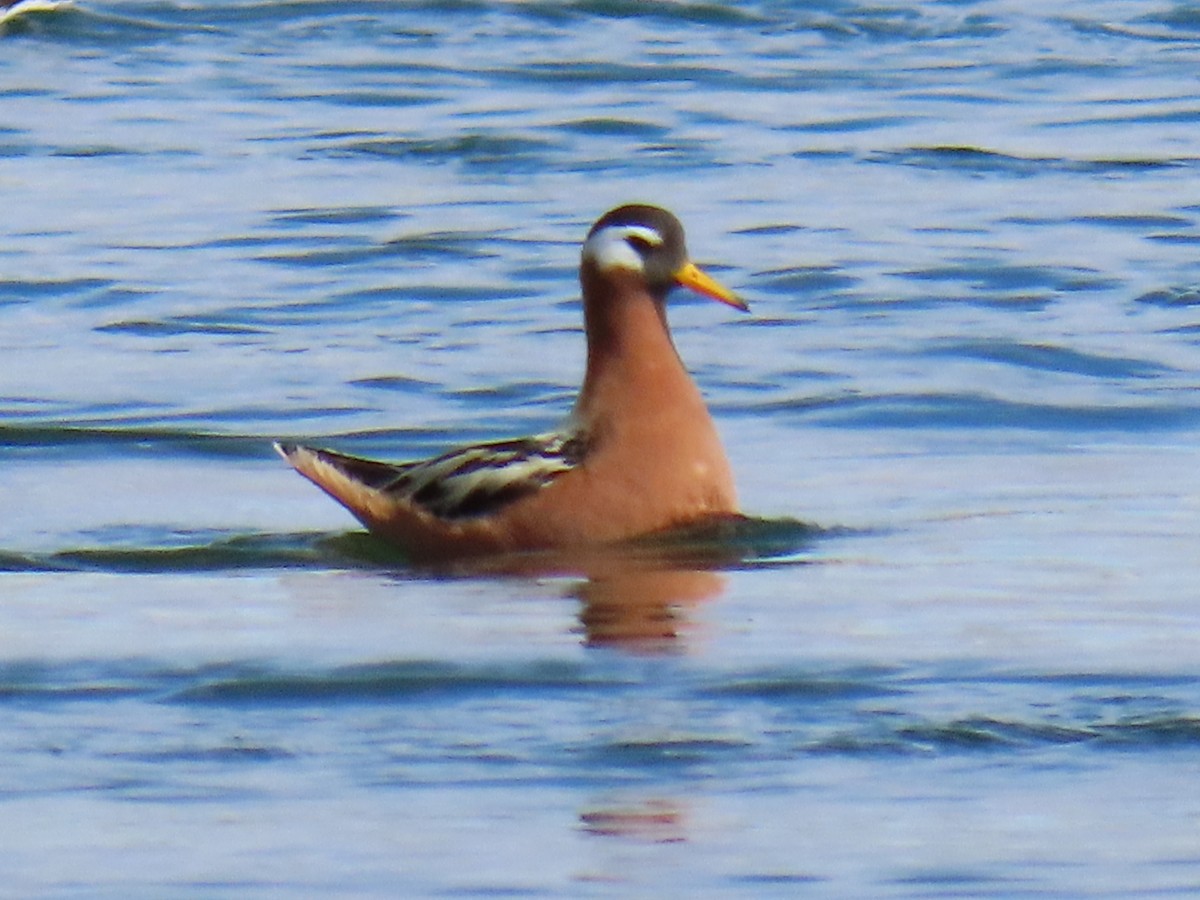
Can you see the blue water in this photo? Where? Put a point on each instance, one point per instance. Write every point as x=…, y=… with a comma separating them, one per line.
x=959, y=655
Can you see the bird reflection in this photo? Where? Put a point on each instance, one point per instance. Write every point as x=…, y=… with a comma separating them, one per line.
x=636, y=596
x=645, y=611
x=652, y=821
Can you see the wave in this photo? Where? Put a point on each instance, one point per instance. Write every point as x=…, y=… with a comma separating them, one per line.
x=959, y=411
x=741, y=541
x=219, y=553
x=853, y=711
x=51, y=436
x=980, y=161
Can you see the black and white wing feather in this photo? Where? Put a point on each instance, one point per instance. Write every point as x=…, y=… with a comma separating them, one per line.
x=469, y=481
x=475, y=481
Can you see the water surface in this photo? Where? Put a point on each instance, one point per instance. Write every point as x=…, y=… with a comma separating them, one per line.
x=967, y=231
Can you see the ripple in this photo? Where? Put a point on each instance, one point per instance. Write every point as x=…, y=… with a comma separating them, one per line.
x=176, y=326
x=736, y=542
x=58, y=436
x=975, y=160
x=1136, y=222
x=1152, y=731
x=221, y=554
x=385, y=682
x=1048, y=358
x=506, y=153
x=988, y=275
x=981, y=732
x=778, y=687
x=342, y=215
x=614, y=127
x=398, y=383
x=382, y=98
x=1183, y=20
x=805, y=280
x=850, y=125
x=1170, y=298
x=993, y=735
x=32, y=290
x=963, y=410
x=696, y=13
x=1159, y=29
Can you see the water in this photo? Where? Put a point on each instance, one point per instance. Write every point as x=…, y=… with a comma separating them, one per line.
x=968, y=232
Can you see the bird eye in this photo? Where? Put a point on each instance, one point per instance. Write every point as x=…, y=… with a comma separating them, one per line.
x=639, y=243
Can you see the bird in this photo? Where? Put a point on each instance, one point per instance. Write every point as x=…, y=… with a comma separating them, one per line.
x=637, y=455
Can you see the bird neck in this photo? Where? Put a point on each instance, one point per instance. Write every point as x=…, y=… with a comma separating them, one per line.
x=632, y=363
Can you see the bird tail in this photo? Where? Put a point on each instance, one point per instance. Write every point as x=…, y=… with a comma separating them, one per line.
x=358, y=484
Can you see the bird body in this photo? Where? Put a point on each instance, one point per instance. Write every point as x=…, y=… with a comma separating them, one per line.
x=638, y=454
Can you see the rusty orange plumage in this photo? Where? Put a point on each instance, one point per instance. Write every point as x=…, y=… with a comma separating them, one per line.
x=639, y=452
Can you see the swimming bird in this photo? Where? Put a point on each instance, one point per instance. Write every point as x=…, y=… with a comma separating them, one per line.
x=638, y=454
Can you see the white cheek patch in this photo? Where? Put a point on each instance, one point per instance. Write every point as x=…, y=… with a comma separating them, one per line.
x=609, y=249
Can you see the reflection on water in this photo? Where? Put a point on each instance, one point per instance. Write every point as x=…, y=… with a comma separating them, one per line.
x=637, y=595
x=645, y=611
x=653, y=820
x=631, y=596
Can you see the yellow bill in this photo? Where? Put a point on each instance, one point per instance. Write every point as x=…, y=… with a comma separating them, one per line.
x=692, y=276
